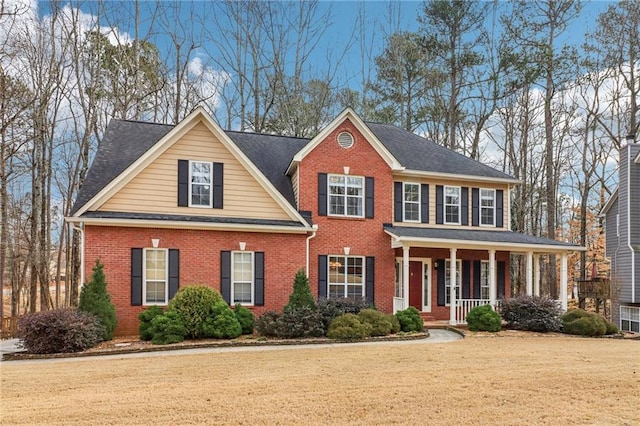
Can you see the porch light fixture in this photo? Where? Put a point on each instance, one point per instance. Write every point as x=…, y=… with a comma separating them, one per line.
x=243, y=245
x=347, y=250
x=155, y=242
x=346, y=170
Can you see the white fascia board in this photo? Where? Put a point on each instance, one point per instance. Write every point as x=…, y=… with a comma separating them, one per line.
x=607, y=206
x=454, y=176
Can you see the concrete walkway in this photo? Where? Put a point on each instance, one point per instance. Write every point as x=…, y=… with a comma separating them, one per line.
x=436, y=336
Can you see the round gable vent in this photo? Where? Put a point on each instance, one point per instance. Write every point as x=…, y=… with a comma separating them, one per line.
x=345, y=140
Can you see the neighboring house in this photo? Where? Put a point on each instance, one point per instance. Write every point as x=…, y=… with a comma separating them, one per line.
x=622, y=233
x=369, y=210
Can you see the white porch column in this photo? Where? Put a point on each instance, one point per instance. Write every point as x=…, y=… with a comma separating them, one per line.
x=405, y=276
x=529, y=273
x=493, y=288
x=563, y=281
x=452, y=285
x=536, y=275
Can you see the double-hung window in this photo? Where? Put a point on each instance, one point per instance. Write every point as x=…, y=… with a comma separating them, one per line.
x=411, y=201
x=447, y=280
x=630, y=318
x=155, y=278
x=200, y=183
x=242, y=278
x=346, y=195
x=484, y=279
x=487, y=207
x=346, y=277
x=452, y=205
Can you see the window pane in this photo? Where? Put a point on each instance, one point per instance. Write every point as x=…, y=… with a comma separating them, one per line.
x=155, y=292
x=354, y=206
x=346, y=277
x=336, y=205
x=242, y=277
x=411, y=192
x=411, y=211
x=242, y=293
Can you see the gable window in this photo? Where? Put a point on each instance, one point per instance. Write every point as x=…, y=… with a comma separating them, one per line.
x=411, y=202
x=452, y=205
x=447, y=280
x=484, y=279
x=346, y=195
x=242, y=281
x=155, y=273
x=200, y=187
x=487, y=207
x=346, y=277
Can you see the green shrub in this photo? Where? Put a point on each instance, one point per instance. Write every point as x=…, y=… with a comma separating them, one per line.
x=395, y=323
x=583, y=323
x=484, y=318
x=193, y=304
x=301, y=296
x=222, y=323
x=348, y=327
x=245, y=318
x=532, y=313
x=146, y=317
x=410, y=320
x=267, y=324
x=94, y=299
x=302, y=322
x=59, y=330
x=168, y=328
x=611, y=327
x=379, y=322
x=334, y=307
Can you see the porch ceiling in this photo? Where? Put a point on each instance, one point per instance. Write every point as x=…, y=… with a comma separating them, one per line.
x=475, y=239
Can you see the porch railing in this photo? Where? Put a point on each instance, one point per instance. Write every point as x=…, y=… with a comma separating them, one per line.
x=463, y=306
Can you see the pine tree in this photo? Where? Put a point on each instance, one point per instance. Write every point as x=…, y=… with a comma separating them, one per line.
x=95, y=299
x=301, y=296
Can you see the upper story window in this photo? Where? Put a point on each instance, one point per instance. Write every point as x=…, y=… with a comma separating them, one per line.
x=411, y=200
x=155, y=278
x=346, y=195
x=201, y=183
x=487, y=207
x=452, y=205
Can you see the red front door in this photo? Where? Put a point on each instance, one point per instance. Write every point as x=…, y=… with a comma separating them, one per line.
x=415, y=285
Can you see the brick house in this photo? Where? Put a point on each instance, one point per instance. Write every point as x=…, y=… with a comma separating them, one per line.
x=368, y=210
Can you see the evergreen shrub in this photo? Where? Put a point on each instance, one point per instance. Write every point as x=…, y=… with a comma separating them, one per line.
x=301, y=322
x=331, y=308
x=484, y=318
x=245, y=318
x=301, y=297
x=583, y=323
x=168, y=328
x=222, y=323
x=267, y=324
x=532, y=313
x=94, y=299
x=194, y=305
x=410, y=320
x=348, y=327
x=145, y=328
x=379, y=322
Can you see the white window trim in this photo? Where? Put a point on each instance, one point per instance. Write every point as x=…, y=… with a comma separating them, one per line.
x=253, y=278
x=404, y=202
x=144, y=277
x=362, y=197
x=210, y=205
x=345, y=284
x=446, y=277
x=493, y=191
x=444, y=205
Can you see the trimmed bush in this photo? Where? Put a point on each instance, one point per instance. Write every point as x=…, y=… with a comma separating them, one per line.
x=222, y=323
x=484, y=318
x=395, y=323
x=167, y=328
x=410, y=320
x=146, y=317
x=59, y=330
x=379, y=322
x=334, y=307
x=267, y=324
x=302, y=322
x=611, y=327
x=245, y=318
x=583, y=323
x=94, y=299
x=301, y=296
x=532, y=313
x=193, y=304
x=348, y=327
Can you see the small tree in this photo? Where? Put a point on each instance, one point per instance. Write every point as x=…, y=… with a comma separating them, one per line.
x=94, y=299
x=301, y=296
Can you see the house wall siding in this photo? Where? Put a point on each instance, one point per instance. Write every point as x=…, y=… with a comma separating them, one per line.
x=154, y=189
x=199, y=262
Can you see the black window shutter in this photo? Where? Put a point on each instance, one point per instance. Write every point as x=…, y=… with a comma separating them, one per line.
x=501, y=279
x=398, y=198
x=475, y=207
x=466, y=279
x=370, y=279
x=439, y=204
x=136, y=276
x=368, y=197
x=259, y=278
x=476, y=278
x=464, y=206
x=441, y=288
x=174, y=272
x=218, y=185
x=183, y=183
x=499, y=208
x=424, y=203
x=322, y=194
x=225, y=275
x=322, y=276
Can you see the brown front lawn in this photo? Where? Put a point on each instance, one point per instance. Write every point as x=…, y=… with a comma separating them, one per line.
x=481, y=380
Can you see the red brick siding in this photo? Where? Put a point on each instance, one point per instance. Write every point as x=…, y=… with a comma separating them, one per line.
x=199, y=262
